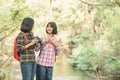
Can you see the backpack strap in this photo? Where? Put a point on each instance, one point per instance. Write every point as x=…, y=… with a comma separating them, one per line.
x=24, y=36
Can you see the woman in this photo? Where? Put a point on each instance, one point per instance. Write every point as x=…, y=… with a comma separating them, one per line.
x=25, y=47
x=50, y=48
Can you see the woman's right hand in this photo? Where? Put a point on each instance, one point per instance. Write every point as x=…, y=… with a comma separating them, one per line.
x=34, y=41
x=47, y=40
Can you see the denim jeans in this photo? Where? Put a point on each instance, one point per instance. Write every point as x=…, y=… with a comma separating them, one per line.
x=28, y=70
x=44, y=72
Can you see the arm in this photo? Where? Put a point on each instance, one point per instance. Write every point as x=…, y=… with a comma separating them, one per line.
x=55, y=42
x=57, y=46
x=34, y=41
x=20, y=43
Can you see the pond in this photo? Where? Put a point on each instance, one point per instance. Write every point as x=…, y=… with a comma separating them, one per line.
x=62, y=71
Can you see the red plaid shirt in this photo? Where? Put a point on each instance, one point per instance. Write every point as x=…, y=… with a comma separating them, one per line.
x=48, y=53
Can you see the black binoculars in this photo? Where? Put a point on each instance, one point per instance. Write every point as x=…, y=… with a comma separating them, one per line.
x=39, y=40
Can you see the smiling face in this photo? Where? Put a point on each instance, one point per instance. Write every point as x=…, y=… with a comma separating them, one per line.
x=49, y=29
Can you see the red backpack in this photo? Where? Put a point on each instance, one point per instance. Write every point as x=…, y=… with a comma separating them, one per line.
x=16, y=56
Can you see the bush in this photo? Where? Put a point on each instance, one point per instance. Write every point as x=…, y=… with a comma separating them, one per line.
x=100, y=56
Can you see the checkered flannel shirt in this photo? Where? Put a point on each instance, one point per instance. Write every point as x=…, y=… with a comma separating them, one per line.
x=26, y=55
x=48, y=53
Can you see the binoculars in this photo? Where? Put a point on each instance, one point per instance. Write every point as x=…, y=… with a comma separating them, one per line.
x=39, y=40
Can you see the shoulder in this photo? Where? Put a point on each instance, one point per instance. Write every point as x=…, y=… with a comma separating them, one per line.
x=20, y=35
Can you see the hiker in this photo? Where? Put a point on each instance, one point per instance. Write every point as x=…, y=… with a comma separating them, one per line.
x=50, y=49
x=25, y=48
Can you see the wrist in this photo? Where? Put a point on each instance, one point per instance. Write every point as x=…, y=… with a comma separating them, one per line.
x=55, y=44
x=30, y=44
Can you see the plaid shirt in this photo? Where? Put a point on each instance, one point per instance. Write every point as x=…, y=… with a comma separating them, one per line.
x=26, y=55
x=48, y=53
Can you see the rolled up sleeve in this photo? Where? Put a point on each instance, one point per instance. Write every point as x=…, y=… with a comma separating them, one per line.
x=20, y=43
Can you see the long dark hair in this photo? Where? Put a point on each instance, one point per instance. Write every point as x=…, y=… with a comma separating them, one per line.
x=27, y=25
x=53, y=25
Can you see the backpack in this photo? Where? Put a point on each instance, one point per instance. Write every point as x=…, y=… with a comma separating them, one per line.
x=16, y=55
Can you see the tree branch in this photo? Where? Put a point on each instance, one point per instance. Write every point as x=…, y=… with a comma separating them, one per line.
x=5, y=61
x=117, y=2
x=9, y=33
x=9, y=22
x=88, y=3
x=111, y=4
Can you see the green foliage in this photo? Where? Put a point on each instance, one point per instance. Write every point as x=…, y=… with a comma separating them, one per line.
x=84, y=38
x=102, y=55
x=99, y=52
x=114, y=38
x=84, y=57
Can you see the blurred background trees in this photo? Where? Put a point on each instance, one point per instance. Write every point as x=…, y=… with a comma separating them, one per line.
x=89, y=29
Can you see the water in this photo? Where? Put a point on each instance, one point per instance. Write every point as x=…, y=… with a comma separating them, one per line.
x=62, y=71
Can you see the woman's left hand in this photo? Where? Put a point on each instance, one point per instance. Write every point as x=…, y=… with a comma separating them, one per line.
x=54, y=41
